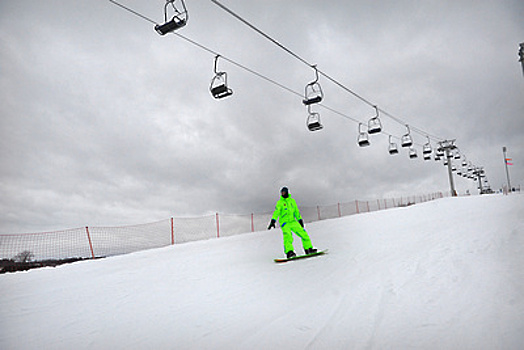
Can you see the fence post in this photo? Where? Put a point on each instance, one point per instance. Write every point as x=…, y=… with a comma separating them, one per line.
x=367, y=203
x=252, y=223
x=356, y=205
x=90, y=243
x=339, y=212
x=218, y=227
x=385, y=203
x=378, y=202
x=318, y=212
x=172, y=231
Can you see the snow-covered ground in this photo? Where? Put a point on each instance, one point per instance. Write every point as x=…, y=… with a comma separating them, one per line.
x=447, y=274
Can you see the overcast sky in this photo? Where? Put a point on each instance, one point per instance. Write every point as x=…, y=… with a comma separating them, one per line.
x=104, y=122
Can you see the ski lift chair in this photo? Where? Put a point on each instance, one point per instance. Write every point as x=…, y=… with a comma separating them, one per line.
x=412, y=153
x=363, y=138
x=440, y=153
x=313, y=91
x=178, y=20
x=313, y=121
x=407, y=140
x=218, y=87
x=374, y=125
x=437, y=158
x=427, y=147
x=393, y=148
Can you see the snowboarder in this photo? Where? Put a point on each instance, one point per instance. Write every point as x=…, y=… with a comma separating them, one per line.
x=288, y=215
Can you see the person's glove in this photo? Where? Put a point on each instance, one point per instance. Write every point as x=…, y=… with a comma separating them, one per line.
x=301, y=222
x=272, y=224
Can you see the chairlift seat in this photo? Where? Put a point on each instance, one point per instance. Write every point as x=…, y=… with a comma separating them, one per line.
x=427, y=156
x=313, y=91
x=363, y=140
x=315, y=126
x=178, y=20
x=170, y=26
x=219, y=87
x=313, y=122
x=407, y=141
x=221, y=91
x=413, y=153
x=313, y=94
x=393, y=149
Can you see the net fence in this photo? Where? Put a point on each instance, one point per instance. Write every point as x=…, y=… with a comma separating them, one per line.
x=94, y=242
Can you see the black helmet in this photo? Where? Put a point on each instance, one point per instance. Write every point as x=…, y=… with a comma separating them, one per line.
x=285, y=192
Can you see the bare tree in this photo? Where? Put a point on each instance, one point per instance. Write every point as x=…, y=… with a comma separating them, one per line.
x=25, y=256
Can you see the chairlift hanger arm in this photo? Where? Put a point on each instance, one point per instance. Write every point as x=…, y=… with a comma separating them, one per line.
x=216, y=64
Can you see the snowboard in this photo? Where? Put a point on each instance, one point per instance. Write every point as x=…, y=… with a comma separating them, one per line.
x=320, y=252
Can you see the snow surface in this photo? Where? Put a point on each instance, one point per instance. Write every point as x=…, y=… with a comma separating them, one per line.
x=447, y=274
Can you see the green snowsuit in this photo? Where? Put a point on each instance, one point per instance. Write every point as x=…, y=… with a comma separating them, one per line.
x=287, y=214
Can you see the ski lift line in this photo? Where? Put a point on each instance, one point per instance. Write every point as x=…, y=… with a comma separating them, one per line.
x=274, y=82
x=228, y=10
x=239, y=65
x=132, y=11
x=213, y=52
x=328, y=77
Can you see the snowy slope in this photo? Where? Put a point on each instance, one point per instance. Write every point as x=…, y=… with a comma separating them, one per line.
x=447, y=274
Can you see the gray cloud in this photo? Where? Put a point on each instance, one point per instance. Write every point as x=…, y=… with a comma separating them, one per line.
x=104, y=122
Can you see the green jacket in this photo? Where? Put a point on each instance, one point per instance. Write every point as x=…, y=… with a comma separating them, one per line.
x=286, y=211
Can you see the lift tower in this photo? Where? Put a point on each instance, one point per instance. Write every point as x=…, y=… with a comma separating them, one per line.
x=447, y=146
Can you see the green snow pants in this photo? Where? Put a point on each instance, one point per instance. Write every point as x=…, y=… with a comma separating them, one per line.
x=295, y=227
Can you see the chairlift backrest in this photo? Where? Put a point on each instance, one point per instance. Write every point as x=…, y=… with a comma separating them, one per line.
x=313, y=121
x=178, y=20
x=412, y=153
x=407, y=140
x=363, y=139
x=393, y=149
x=313, y=94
